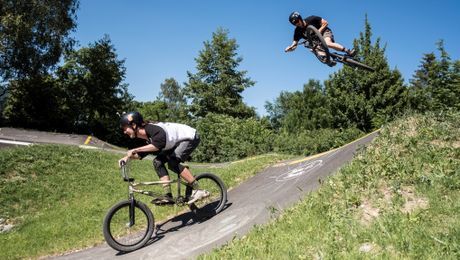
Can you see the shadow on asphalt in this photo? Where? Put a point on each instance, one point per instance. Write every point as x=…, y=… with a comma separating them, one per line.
x=175, y=224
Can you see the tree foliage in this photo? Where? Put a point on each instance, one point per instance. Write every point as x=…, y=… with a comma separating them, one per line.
x=225, y=138
x=435, y=85
x=301, y=110
x=217, y=85
x=84, y=97
x=366, y=99
x=172, y=95
x=92, y=80
x=33, y=35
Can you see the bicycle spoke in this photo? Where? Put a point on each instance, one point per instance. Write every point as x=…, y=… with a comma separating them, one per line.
x=121, y=229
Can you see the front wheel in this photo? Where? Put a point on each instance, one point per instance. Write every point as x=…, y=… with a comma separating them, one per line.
x=128, y=226
x=318, y=45
x=217, y=198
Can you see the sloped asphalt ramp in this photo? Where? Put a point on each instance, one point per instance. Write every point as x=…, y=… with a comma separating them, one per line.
x=24, y=137
x=253, y=202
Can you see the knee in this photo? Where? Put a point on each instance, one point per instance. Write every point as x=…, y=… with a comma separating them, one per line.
x=159, y=167
x=175, y=166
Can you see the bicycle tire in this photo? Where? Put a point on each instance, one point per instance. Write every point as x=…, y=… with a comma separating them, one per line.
x=218, y=195
x=116, y=241
x=351, y=62
x=319, y=44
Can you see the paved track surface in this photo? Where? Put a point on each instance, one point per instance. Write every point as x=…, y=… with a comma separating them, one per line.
x=10, y=137
x=251, y=203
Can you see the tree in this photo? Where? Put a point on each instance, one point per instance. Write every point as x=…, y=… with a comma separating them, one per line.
x=85, y=96
x=301, y=110
x=435, y=85
x=173, y=97
x=366, y=99
x=421, y=98
x=153, y=111
x=92, y=82
x=217, y=85
x=34, y=103
x=33, y=36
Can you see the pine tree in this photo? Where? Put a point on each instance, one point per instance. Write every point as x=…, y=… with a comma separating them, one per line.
x=366, y=99
x=435, y=85
x=217, y=85
x=421, y=98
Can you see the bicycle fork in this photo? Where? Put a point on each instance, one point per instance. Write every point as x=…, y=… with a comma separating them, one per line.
x=132, y=208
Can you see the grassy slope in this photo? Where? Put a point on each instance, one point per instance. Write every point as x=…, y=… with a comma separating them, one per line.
x=398, y=199
x=57, y=196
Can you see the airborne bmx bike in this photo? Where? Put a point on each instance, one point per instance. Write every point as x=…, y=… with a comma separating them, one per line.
x=316, y=43
x=129, y=224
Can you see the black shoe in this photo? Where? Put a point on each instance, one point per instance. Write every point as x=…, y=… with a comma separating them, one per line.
x=322, y=58
x=163, y=200
x=332, y=63
x=351, y=52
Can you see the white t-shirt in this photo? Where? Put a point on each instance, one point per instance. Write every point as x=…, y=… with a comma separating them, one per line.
x=176, y=133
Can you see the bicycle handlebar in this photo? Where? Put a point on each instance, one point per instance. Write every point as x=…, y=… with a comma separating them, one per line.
x=124, y=171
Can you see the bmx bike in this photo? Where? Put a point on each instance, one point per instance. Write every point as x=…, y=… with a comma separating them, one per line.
x=130, y=223
x=316, y=43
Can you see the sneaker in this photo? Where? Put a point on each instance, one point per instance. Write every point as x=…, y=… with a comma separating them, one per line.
x=351, y=52
x=163, y=200
x=198, y=195
x=323, y=58
x=332, y=63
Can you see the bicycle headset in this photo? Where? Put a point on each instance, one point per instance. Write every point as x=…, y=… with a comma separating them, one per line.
x=294, y=17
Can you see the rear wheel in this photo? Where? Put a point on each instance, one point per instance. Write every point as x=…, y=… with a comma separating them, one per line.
x=217, y=198
x=318, y=45
x=128, y=226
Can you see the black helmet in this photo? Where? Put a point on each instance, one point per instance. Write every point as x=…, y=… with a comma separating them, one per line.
x=294, y=17
x=127, y=119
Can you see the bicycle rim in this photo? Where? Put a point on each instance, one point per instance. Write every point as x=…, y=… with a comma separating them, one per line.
x=123, y=234
x=319, y=45
x=215, y=202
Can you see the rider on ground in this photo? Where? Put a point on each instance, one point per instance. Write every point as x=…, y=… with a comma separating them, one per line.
x=172, y=143
x=319, y=23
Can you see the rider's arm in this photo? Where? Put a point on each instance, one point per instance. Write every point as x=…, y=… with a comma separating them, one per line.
x=134, y=153
x=291, y=47
x=324, y=24
x=143, y=149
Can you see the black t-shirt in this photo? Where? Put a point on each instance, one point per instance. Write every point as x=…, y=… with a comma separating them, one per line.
x=300, y=33
x=155, y=135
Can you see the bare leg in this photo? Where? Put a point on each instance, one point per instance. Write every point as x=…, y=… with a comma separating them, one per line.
x=166, y=186
x=187, y=175
x=165, y=178
x=333, y=45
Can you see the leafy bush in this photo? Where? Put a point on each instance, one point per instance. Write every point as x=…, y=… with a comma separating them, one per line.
x=308, y=142
x=225, y=138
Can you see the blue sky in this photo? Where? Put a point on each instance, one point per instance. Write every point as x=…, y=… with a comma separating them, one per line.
x=160, y=39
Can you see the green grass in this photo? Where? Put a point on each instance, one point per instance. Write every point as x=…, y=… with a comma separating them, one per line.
x=57, y=196
x=398, y=199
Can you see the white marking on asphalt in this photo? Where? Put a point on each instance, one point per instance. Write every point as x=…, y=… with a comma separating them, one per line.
x=4, y=141
x=300, y=170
